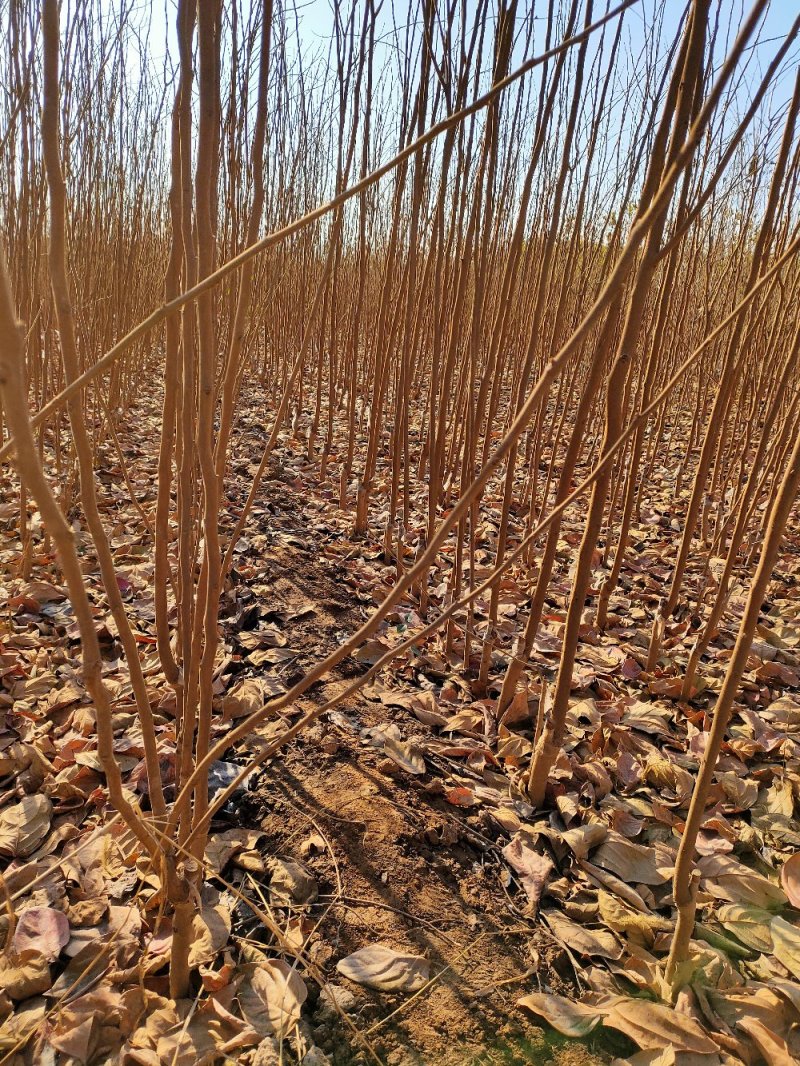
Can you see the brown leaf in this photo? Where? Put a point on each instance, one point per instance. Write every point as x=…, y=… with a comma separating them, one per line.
x=291, y=882
x=668, y=1056
x=24, y=825
x=772, y=1047
x=43, y=591
x=534, y=869
x=272, y=998
x=566, y=1016
x=786, y=945
x=84, y=970
x=460, y=796
x=740, y=792
x=24, y=975
x=371, y=652
x=748, y=924
x=43, y=930
x=243, y=699
x=790, y=879
x=728, y=879
x=210, y=931
x=585, y=837
x=19, y=1025
x=221, y=848
x=654, y=1025
x=624, y=919
x=75, y=1036
x=381, y=967
x=581, y=939
x=406, y=755
x=631, y=862
x=665, y=774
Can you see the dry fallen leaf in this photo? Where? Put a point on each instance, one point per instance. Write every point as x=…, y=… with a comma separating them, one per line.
x=243, y=699
x=786, y=944
x=271, y=997
x=668, y=1056
x=24, y=975
x=581, y=939
x=405, y=754
x=728, y=879
x=570, y=1018
x=379, y=966
x=773, y=1048
x=583, y=838
x=655, y=1025
x=790, y=879
x=211, y=929
x=648, y=1024
x=43, y=930
x=533, y=869
x=291, y=882
x=19, y=1025
x=221, y=847
x=624, y=919
x=748, y=924
x=633, y=863
x=24, y=825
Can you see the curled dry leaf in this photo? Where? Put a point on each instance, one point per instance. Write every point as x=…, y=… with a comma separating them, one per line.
x=668, y=1056
x=748, y=924
x=533, y=869
x=583, y=838
x=381, y=967
x=460, y=796
x=25, y=825
x=774, y=1049
x=178, y=1035
x=371, y=652
x=42, y=591
x=728, y=879
x=570, y=1018
x=291, y=882
x=221, y=848
x=624, y=919
x=579, y=938
x=666, y=775
x=655, y=1025
x=405, y=754
x=19, y=1025
x=603, y=879
x=210, y=931
x=272, y=997
x=24, y=975
x=741, y=793
x=243, y=699
x=75, y=1035
x=84, y=970
x=422, y=704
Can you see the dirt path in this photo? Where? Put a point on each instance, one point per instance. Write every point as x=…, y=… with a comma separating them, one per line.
x=393, y=862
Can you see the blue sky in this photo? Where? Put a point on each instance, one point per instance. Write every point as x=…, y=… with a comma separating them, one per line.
x=315, y=20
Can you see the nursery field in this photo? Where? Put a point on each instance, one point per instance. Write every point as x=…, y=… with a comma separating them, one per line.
x=399, y=533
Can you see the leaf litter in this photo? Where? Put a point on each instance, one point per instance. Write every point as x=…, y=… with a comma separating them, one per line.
x=304, y=948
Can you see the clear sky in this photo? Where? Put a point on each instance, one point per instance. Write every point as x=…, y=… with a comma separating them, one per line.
x=315, y=19
x=312, y=20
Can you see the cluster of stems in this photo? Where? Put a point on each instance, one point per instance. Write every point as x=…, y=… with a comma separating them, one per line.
x=496, y=271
